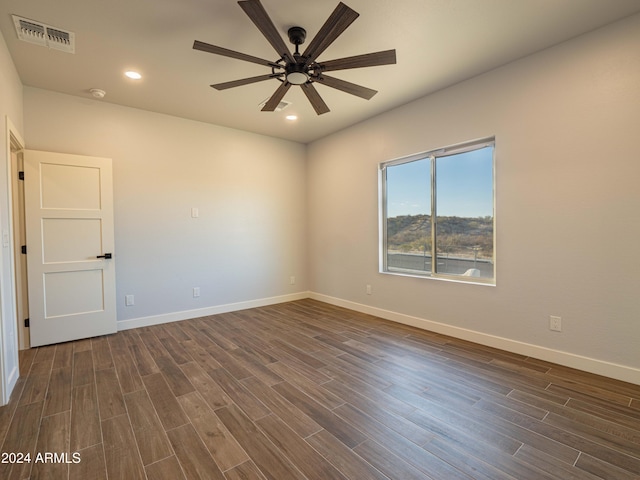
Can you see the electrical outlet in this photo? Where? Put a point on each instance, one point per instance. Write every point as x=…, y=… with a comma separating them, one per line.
x=129, y=300
x=196, y=292
x=292, y=280
x=555, y=323
x=368, y=289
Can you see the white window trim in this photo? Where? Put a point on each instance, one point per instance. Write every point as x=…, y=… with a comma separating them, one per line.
x=382, y=209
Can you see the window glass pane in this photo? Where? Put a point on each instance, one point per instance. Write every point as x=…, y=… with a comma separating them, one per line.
x=464, y=213
x=408, y=220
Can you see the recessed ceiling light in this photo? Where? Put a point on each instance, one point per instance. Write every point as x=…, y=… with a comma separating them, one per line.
x=133, y=75
x=291, y=117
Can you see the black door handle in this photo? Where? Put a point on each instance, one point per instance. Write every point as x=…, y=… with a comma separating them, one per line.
x=106, y=255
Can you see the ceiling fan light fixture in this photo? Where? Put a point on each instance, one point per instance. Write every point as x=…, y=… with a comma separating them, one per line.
x=296, y=74
x=297, y=78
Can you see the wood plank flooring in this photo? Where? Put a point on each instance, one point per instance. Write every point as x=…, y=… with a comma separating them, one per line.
x=305, y=390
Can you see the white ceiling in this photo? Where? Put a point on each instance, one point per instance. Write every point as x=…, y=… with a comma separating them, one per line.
x=438, y=43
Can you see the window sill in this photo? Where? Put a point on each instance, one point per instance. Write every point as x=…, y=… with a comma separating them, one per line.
x=488, y=282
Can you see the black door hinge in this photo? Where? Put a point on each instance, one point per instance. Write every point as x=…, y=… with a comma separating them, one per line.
x=26, y=322
x=23, y=249
x=20, y=175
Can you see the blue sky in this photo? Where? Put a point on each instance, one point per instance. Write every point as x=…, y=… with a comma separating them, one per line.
x=464, y=186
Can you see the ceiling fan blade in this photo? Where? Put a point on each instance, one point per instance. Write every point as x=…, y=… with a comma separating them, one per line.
x=337, y=23
x=348, y=87
x=314, y=97
x=225, y=52
x=274, y=101
x=386, y=57
x=259, y=16
x=244, y=81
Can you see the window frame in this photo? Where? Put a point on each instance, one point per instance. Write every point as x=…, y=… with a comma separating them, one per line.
x=433, y=155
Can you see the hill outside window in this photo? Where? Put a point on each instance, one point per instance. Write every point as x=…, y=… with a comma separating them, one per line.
x=440, y=204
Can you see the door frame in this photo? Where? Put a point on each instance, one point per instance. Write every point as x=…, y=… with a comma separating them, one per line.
x=9, y=370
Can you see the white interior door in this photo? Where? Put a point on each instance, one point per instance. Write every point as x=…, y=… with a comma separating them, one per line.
x=70, y=239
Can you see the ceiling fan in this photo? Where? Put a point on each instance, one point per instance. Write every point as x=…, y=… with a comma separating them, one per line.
x=302, y=69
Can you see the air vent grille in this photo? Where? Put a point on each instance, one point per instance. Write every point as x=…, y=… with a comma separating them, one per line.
x=281, y=106
x=44, y=35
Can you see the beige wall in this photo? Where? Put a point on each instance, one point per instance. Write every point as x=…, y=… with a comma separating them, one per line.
x=566, y=123
x=250, y=236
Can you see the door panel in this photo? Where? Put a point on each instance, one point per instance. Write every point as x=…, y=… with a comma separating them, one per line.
x=73, y=293
x=72, y=187
x=69, y=223
x=71, y=239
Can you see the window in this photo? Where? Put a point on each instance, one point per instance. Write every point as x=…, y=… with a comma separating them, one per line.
x=440, y=205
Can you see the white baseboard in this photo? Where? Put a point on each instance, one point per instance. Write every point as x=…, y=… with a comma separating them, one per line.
x=591, y=365
x=203, y=312
x=12, y=379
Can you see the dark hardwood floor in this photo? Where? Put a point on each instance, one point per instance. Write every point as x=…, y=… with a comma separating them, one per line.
x=305, y=390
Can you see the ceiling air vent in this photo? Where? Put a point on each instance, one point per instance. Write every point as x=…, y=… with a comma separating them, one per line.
x=44, y=35
x=281, y=106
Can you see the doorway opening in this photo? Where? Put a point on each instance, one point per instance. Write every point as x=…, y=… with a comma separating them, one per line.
x=20, y=242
